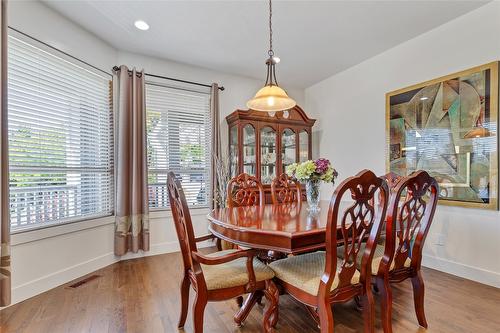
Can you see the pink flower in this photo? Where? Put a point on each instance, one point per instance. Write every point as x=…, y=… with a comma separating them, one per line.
x=322, y=165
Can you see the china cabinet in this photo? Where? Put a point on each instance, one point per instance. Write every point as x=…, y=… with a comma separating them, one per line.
x=263, y=145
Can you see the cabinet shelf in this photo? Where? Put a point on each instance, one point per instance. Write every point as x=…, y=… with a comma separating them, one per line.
x=265, y=146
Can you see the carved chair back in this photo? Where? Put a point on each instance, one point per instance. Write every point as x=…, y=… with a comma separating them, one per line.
x=411, y=211
x=392, y=179
x=182, y=221
x=362, y=219
x=284, y=189
x=244, y=190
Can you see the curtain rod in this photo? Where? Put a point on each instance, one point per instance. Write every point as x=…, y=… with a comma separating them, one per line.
x=116, y=68
x=58, y=50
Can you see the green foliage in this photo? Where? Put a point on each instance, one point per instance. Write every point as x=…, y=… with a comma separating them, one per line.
x=24, y=144
x=191, y=153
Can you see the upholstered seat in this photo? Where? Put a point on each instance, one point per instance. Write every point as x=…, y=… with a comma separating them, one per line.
x=233, y=273
x=377, y=256
x=305, y=271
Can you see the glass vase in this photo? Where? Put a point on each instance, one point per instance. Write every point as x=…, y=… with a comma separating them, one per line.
x=313, y=194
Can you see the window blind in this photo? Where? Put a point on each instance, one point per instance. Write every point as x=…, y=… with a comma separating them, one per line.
x=178, y=127
x=60, y=137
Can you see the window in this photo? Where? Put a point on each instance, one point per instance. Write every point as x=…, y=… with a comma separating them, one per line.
x=178, y=127
x=60, y=137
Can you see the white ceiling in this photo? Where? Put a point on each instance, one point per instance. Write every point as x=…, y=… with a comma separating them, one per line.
x=314, y=39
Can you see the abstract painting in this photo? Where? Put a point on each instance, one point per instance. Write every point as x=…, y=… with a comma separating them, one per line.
x=448, y=127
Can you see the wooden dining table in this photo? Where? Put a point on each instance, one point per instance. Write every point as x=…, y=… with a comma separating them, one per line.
x=277, y=230
x=282, y=228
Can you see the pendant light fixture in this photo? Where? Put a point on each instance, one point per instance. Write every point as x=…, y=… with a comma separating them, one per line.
x=271, y=98
x=478, y=131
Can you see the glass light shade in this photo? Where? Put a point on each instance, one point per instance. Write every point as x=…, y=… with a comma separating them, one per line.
x=271, y=99
x=478, y=132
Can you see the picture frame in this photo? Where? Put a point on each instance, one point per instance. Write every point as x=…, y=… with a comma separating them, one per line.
x=448, y=126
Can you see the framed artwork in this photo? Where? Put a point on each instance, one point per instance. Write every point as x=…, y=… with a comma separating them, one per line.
x=448, y=127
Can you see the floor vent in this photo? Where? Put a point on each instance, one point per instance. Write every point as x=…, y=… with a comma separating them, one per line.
x=84, y=281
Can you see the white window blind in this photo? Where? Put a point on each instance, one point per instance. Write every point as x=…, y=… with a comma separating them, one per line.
x=60, y=137
x=178, y=127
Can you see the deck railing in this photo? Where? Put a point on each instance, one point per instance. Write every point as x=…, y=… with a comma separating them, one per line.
x=35, y=205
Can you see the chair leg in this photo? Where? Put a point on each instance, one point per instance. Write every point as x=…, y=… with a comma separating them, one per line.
x=357, y=301
x=198, y=312
x=246, y=307
x=239, y=301
x=385, y=303
x=325, y=313
x=271, y=314
x=418, y=298
x=185, y=285
x=369, y=310
x=259, y=300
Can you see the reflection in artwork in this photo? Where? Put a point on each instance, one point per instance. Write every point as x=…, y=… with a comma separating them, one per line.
x=448, y=127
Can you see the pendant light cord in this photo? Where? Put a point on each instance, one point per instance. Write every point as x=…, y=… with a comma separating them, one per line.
x=271, y=52
x=271, y=70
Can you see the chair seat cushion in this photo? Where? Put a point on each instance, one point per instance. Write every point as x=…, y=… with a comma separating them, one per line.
x=233, y=273
x=377, y=256
x=304, y=271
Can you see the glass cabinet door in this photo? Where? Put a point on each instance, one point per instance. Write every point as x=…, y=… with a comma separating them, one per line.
x=233, y=151
x=288, y=148
x=249, y=150
x=303, y=146
x=267, y=154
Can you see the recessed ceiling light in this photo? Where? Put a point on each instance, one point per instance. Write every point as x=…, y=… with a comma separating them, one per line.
x=424, y=98
x=141, y=25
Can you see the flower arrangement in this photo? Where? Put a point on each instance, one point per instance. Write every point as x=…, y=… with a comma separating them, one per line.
x=320, y=169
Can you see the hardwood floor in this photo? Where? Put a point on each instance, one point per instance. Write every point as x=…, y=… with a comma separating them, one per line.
x=142, y=295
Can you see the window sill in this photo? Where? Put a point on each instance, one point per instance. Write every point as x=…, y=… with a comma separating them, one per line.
x=27, y=236
x=33, y=235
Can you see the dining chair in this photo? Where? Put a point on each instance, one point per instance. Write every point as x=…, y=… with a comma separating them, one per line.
x=284, y=189
x=411, y=209
x=392, y=180
x=244, y=190
x=320, y=279
x=216, y=276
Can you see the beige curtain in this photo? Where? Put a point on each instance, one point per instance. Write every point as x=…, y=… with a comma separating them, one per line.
x=4, y=167
x=216, y=144
x=132, y=212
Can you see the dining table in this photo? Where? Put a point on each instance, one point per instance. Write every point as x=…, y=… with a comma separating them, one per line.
x=288, y=228
x=276, y=229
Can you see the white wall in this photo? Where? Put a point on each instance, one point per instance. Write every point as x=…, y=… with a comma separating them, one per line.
x=41, y=22
x=350, y=108
x=49, y=257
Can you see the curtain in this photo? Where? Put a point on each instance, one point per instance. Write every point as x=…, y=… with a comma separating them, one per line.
x=216, y=144
x=132, y=211
x=4, y=167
